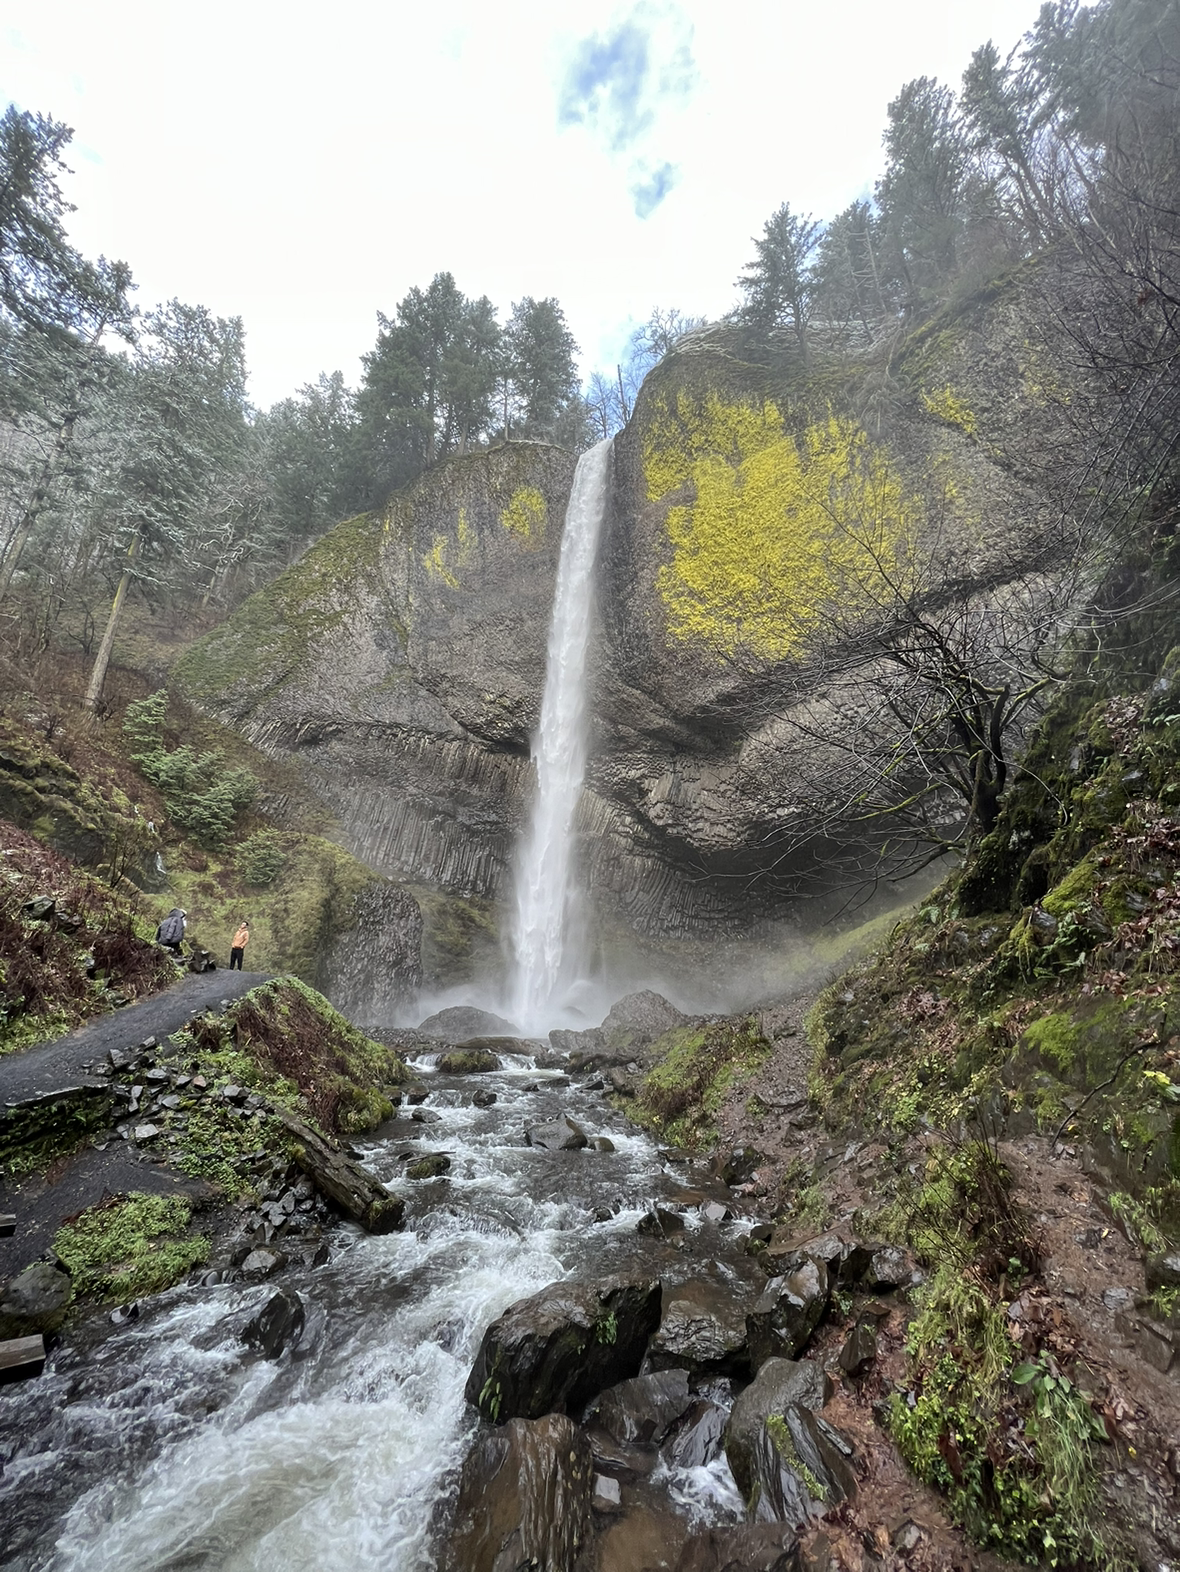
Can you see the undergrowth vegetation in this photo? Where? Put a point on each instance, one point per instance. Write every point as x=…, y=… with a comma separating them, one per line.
x=993, y=1417
x=682, y=1096
x=69, y=946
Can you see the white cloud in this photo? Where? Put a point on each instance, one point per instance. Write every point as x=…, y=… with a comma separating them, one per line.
x=303, y=167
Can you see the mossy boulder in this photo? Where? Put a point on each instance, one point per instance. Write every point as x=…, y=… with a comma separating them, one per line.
x=433, y=1166
x=468, y=1061
x=36, y=1300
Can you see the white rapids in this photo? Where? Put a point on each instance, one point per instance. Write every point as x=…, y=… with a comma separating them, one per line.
x=168, y=1447
x=545, y=964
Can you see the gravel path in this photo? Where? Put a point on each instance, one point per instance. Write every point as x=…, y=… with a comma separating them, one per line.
x=51, y=1066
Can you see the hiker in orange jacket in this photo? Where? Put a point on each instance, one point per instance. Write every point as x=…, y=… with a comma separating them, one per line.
x=238, y=948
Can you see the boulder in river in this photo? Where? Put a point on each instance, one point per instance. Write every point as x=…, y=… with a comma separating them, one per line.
x=524, y=1498
x=779, y=1385
x=643, y=1409
x=555, y=1350
x=277, y=1326
x=461, y=1022
x=35, y=1301
x=702, y=1330
x=787, y=1312
x=698, y=1437
x=484, y=1098
x=742, y=1547
x=432, y=1166
x=802, y=1467
x=468, y=1061
x=557, y=1135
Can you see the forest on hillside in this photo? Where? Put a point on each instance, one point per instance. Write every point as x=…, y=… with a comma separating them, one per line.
x=134, y=471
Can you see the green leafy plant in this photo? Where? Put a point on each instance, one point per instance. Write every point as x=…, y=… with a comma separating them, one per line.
x=491, y=1395
x=606, y=1328
x=261, y=858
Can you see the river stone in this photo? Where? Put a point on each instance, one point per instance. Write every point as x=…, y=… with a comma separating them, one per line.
x=744, y=1547
x=643, y=1409
x=558, y=1135
x=780, y=1384
x=846, y=1258
x=660, y=1223
x=261, y=1263
x=557, y=1349
x=702, y=1330
x=35, y=1301
x=468, y=1061
x=802, y=1466
x=524, y=1499
x=462, y=1022
x=787, y=1312
x=432, y=1166
x=483, y=1098
x=698, y=1438
x=277, y=1326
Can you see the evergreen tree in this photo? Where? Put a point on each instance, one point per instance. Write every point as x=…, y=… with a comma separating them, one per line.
x=778, y=283
x=176, y=426
x=541, y=377
x=922, y=195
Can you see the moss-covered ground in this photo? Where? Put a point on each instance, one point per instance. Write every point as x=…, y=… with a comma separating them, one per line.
x=697, y=1068
x=129, y=1246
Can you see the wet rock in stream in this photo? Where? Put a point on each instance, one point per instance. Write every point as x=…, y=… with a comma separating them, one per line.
x=557, y=1349
x=643, y=1409
x=277, y=1326
x=557, y=1135
x=524, y=1498
x=702, y=1330
x=755, y=1547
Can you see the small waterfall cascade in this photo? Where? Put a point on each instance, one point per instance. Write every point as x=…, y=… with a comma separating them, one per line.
x=543, y=966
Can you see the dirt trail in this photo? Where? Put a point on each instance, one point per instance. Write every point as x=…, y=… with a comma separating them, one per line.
x=50, y=1066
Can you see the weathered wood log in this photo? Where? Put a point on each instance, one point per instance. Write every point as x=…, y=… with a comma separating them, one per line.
x=344, y=1182
x=21, y=1358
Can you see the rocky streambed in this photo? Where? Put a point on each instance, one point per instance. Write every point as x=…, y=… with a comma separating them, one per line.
x=577, y=1351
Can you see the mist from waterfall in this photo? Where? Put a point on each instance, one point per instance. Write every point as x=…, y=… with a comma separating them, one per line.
x=545, y=960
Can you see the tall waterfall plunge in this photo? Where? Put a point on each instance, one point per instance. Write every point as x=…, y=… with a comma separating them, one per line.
x=544, y=969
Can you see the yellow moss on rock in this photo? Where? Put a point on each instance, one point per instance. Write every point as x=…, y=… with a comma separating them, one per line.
x=947, y=406
x=771, y=530
x=526, y=514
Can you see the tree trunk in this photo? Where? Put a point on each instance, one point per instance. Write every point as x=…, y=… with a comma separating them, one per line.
x=36, y=502
x=103, y=659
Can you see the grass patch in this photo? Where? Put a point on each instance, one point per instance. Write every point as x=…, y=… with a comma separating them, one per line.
x=129, y=1246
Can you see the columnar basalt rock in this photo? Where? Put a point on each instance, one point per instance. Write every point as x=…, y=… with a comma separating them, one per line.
x=401, y=660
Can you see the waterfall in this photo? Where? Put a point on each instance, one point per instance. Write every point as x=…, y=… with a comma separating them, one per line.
x=545, y=877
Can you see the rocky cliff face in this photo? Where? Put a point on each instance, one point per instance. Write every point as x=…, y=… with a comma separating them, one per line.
x=401, y=661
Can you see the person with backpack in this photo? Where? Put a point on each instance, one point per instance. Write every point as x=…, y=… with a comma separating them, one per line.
x=238, y=948
x=171, y=931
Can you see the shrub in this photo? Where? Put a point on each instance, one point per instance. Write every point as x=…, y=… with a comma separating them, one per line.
x=202, y=796
x=261, y=858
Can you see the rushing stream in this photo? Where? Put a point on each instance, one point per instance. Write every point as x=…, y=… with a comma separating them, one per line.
x=166, y=1445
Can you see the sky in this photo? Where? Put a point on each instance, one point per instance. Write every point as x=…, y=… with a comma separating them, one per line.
x=303, y=166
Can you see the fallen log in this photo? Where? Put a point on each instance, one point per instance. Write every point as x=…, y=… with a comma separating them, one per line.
x=341, y=1180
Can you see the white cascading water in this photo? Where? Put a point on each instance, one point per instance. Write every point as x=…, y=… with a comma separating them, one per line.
x=543, y=968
